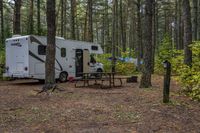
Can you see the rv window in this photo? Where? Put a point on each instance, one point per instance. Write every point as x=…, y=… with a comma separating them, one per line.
x=94, y=48
x=42, y=50
x=63, y=52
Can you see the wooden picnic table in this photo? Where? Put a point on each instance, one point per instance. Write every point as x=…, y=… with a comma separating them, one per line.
x=99, y=76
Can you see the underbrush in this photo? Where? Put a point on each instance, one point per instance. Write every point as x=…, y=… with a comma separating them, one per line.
x=124, y=68
x=189, y=77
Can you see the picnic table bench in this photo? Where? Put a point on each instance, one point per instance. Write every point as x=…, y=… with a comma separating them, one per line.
x=110, y=77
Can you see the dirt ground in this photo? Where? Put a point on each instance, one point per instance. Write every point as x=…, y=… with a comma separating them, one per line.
x=126, y=109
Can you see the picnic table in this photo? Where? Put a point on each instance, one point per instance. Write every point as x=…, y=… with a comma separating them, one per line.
x=109, y=77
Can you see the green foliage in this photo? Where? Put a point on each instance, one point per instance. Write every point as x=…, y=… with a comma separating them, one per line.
x=165, y=52
x=189, y=77
x=121, y=67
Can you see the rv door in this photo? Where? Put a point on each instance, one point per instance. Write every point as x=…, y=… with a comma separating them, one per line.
x=86, y=61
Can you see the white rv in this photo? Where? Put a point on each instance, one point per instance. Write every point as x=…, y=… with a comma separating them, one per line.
x=25, y=58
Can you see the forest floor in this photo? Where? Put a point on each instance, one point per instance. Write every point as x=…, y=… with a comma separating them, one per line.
x=127, y=109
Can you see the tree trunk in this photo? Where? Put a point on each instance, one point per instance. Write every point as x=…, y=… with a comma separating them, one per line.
x=154, y=34
x=38, y=18
x=30, y=28
x=90, y=21
x=114, y=33
x=146, y=72
x=132, y=31
x=17, y=14
x=199, y=20
x=176, y=24
x=107, y=29
x=65, y=18
x=50, y=51
x=187, y=32
x=73, y=16
x=195, y=19
x=139, y=36
x=122, y=26
x=180, y=27
x=2, y=22
x=62, y=19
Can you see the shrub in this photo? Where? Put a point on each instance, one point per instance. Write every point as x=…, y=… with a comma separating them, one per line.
x=190, y=76
x=121, y=67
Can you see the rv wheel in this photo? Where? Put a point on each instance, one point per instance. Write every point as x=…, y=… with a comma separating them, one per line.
x=63, y=76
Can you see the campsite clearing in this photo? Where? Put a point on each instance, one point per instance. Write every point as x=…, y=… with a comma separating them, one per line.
x=126, y=109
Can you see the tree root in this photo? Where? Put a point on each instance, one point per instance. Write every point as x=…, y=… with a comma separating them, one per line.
x=48, y=87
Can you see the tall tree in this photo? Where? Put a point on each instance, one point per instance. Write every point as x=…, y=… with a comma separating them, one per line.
x=62, y=18
x=199, y=20
x=73, y=18
x=114, y=33
x=154, y=33
x=50, y=51
x=180, y=26
x=187, y=32
x=139, y=51
x=195, y=19
x=90, y=20
x=146, y=72
x=17, y=16
x=30, y=22
x=122, y=26
x=2, y=21
x=107, y=27
x=38, y=18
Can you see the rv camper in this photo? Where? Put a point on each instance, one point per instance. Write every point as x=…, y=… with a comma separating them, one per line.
x=25, y=58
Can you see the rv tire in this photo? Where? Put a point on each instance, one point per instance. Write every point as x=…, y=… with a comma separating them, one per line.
x=63, y=77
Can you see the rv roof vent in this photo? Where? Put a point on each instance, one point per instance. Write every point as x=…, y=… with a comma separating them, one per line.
x=60, y=38
x=16, y=36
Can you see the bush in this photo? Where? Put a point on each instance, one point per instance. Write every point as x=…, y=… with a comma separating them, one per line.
x=189, y=77
x=166, y=52
x=121, y=67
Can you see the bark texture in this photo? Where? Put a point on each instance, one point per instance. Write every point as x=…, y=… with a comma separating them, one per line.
x=73, y=16
x=187, y=32
x=2, y=22
x=90, y=21
x=17, y=15
x=50, y=51
x=146, y=72
x=38, y=18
